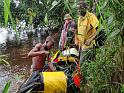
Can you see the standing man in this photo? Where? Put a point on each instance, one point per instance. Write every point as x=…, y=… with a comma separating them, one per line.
x=67, y=31
x=87, y=24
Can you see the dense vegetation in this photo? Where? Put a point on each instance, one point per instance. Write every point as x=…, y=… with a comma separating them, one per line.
x=106, y=73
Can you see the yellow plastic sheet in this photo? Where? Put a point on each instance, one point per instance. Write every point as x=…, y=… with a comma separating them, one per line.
x=54, y=82
x=70, y=59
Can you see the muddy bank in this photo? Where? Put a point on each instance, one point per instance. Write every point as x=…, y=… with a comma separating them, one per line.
x=16, y=78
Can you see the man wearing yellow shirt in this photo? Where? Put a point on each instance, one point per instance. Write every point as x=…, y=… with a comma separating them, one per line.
x=87, y=24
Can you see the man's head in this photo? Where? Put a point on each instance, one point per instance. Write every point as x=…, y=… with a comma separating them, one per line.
x=49, y=43
x=82, y=8
x=67, y=17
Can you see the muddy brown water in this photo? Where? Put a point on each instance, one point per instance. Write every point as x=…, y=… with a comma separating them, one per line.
x=16, y=52
x=19, y=67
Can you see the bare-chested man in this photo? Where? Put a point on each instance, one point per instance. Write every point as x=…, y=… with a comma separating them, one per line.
x=39, y=53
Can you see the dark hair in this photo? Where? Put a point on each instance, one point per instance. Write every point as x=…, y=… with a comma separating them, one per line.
x=82, y=4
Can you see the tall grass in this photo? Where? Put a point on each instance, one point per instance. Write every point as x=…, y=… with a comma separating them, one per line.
x=105, y=74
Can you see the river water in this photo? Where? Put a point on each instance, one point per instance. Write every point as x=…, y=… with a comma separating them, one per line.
x=16, y=50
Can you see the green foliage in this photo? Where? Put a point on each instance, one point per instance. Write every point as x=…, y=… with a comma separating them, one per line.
x=122, y=88
x=54, y=4
x=7, y=14
x=7, y=87
x=3, y=59
x=31, y=15
x=6, y=10
x=117, y=6
x=46, y=19
x=55, y=10
x=99, y=75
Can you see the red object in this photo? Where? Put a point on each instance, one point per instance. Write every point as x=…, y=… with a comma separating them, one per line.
x=77, y=76
x=56, y=60
x=77, y=80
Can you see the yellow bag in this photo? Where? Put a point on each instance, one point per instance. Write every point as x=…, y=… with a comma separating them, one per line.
x=45, y=82
x=69, y=59
x=54, y=82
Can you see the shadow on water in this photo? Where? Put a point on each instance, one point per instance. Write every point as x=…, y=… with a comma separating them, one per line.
x=16, y=51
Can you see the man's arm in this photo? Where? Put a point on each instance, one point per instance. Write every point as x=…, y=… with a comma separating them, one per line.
x=36, y=51
x=91, y=37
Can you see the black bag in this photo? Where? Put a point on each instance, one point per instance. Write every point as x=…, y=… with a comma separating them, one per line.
x=100, y=38
x=33, y=83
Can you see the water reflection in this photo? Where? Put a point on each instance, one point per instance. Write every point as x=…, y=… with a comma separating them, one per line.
x=3, y=35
